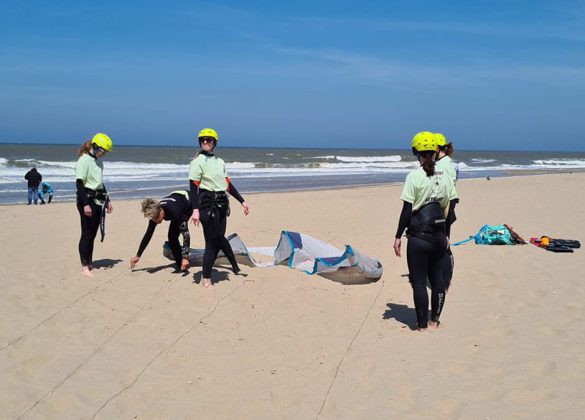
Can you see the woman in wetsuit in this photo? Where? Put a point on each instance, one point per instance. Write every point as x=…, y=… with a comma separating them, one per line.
x=445, y=164
x=91, y=195
x=175, y=208
x=426, y=196
x=208, y=183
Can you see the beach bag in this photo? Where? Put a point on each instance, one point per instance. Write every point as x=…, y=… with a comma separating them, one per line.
x=494, y=235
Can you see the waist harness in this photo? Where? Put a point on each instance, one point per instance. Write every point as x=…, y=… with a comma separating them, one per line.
x=209, y=200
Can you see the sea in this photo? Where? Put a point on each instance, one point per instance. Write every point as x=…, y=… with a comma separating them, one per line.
x=136, y=172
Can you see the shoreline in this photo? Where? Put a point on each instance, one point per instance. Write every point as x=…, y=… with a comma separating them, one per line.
x=333, y=187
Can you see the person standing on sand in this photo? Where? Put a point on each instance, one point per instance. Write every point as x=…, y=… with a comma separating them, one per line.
x=208, y=183
x=33, y=178
x=446, y=165
x=426, y=196
x=175, y=208
x=91, y=195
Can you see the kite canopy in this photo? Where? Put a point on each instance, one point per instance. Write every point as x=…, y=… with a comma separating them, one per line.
x=301, y=252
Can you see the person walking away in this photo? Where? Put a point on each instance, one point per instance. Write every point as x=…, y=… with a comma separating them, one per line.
x=33, y=178
x=91, y=195
x=209, y=183
x=446, y=165
x=426, y=196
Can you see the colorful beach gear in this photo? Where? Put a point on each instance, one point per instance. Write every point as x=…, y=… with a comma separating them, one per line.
x=555, y=245
x=494, y=235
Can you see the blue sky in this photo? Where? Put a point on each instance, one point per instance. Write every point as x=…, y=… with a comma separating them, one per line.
x=489, y=74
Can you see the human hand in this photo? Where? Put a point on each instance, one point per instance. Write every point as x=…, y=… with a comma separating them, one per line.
x=87, y=210
x=184, y=264
x=110, y=208
x=246, y=208
x=134, y=261
x=195, y=217
x=397, y=245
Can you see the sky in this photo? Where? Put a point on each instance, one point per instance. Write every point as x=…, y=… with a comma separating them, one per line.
x=489, y=74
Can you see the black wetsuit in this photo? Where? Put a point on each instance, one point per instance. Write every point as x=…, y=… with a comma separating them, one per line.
x=91, y=224
x=425, y=253
x=213, y=212
x=177, y=209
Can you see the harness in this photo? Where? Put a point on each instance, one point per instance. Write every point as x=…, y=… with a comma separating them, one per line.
x=210, y=200
x=428, y=223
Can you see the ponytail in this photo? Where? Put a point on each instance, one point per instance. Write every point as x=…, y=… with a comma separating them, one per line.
x=449, y=149
x=85, y=148
x=427, y=161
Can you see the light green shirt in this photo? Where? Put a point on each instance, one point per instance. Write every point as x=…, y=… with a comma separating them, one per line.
x=210, y=171
x=420, y=189
x=90, y=171
x=445, y=164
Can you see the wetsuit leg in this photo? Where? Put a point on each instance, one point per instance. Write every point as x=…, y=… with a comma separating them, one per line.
x=89, y=228
x=418, y=252
x=212, y=232
x=437, y=260
x=50, y=198
x=229, y=253
x=448, y=265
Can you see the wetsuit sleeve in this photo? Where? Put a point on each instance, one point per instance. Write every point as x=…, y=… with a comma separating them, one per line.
x=233, y=191
x=194, y=194
x=146, y=238
x=173, y=237
x=404, y=220
x=451, y=216
x=184, y=228
x=81, y=194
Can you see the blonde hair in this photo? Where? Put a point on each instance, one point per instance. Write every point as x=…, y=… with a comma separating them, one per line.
x=85, y=148
x=151, y=208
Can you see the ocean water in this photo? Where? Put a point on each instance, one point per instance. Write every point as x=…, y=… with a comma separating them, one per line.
x=140, y=171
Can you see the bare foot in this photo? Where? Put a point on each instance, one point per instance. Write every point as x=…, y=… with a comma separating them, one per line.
x=206, y=283
x=86, y=271
x=434, y=324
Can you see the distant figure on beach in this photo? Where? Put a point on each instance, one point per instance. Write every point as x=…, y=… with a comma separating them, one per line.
x=34, y=179
x=444, y=163
x=426, y=196
x=176, y=208
x=46, y=190
x=208, y=183
x=92, y=196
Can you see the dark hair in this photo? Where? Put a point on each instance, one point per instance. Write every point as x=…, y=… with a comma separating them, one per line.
x=427, y=161
x=448, y=149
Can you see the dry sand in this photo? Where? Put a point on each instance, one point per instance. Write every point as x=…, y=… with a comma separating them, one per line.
x=281, y=344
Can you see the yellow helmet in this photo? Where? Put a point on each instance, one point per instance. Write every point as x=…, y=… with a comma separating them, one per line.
x=441, y=140
x=424, y=141
x=208, y=132
x=103, y=141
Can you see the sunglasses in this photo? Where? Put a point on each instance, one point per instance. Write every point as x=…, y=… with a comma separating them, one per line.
x=100, y=149
x=206, y=140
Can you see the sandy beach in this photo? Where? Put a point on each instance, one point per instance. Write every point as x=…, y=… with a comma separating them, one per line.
x=153, y=344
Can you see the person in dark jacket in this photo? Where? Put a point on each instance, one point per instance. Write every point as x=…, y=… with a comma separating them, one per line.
x=34, y=179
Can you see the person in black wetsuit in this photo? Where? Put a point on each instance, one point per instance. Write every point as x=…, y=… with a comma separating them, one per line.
x=209, y=183
x=176, y=208
x=426, y=196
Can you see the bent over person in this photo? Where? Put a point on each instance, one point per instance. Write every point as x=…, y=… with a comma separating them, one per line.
x=176, y=208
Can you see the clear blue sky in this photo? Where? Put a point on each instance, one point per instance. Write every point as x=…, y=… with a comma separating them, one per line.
x=497, y=74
